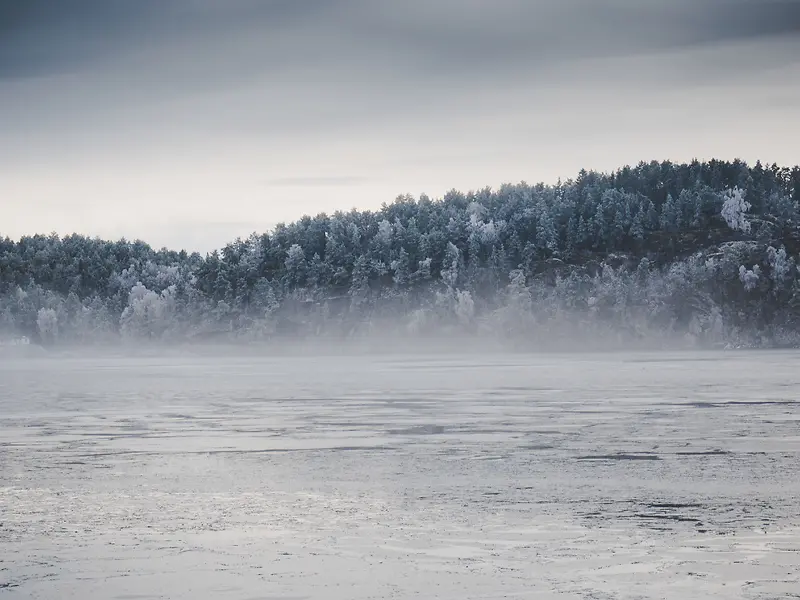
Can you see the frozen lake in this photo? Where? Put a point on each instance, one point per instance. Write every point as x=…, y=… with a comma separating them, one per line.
x=612, y=476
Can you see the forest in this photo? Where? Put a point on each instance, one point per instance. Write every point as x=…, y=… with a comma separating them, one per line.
x=702, y=253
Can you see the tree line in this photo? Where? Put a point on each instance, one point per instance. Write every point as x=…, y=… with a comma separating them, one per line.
x=703, y=252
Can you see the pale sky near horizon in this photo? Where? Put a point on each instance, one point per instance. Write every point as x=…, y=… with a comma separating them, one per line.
x=186, y=123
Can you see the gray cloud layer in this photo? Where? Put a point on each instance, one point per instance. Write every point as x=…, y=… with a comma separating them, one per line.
x=259, y=110
x=39, y=37
x=306, y=65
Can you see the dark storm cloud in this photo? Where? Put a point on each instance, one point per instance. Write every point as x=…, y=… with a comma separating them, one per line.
x=241, y=38
x=40, y=37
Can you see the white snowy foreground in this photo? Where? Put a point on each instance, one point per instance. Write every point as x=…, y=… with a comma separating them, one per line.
x=515, y=476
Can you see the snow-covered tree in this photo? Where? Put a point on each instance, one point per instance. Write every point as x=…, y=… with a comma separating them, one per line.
x=781, y=265
x=451, y=266
x=385, y=233
x=143, y=318
x=399, y=267
x=734, y=210
x=749, y=277
x=47, y=324
x=296, y=266
x=359, y=286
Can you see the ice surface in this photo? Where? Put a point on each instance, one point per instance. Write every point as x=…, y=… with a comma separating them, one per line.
x=506, y=476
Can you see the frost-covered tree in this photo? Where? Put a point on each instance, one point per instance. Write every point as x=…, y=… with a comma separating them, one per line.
x=451, y=266
x=359, y=288
x=384, y=235
x=400, y=269
x=749, y=277
x=296, y=266
x=143, y=318
x=782, y=268
x=670, y=215
x=47, y=324
x=734, y=210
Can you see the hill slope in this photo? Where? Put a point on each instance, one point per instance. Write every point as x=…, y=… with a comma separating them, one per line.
x=703, y=252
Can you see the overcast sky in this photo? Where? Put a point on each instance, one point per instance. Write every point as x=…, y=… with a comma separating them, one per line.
x=189, y=122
